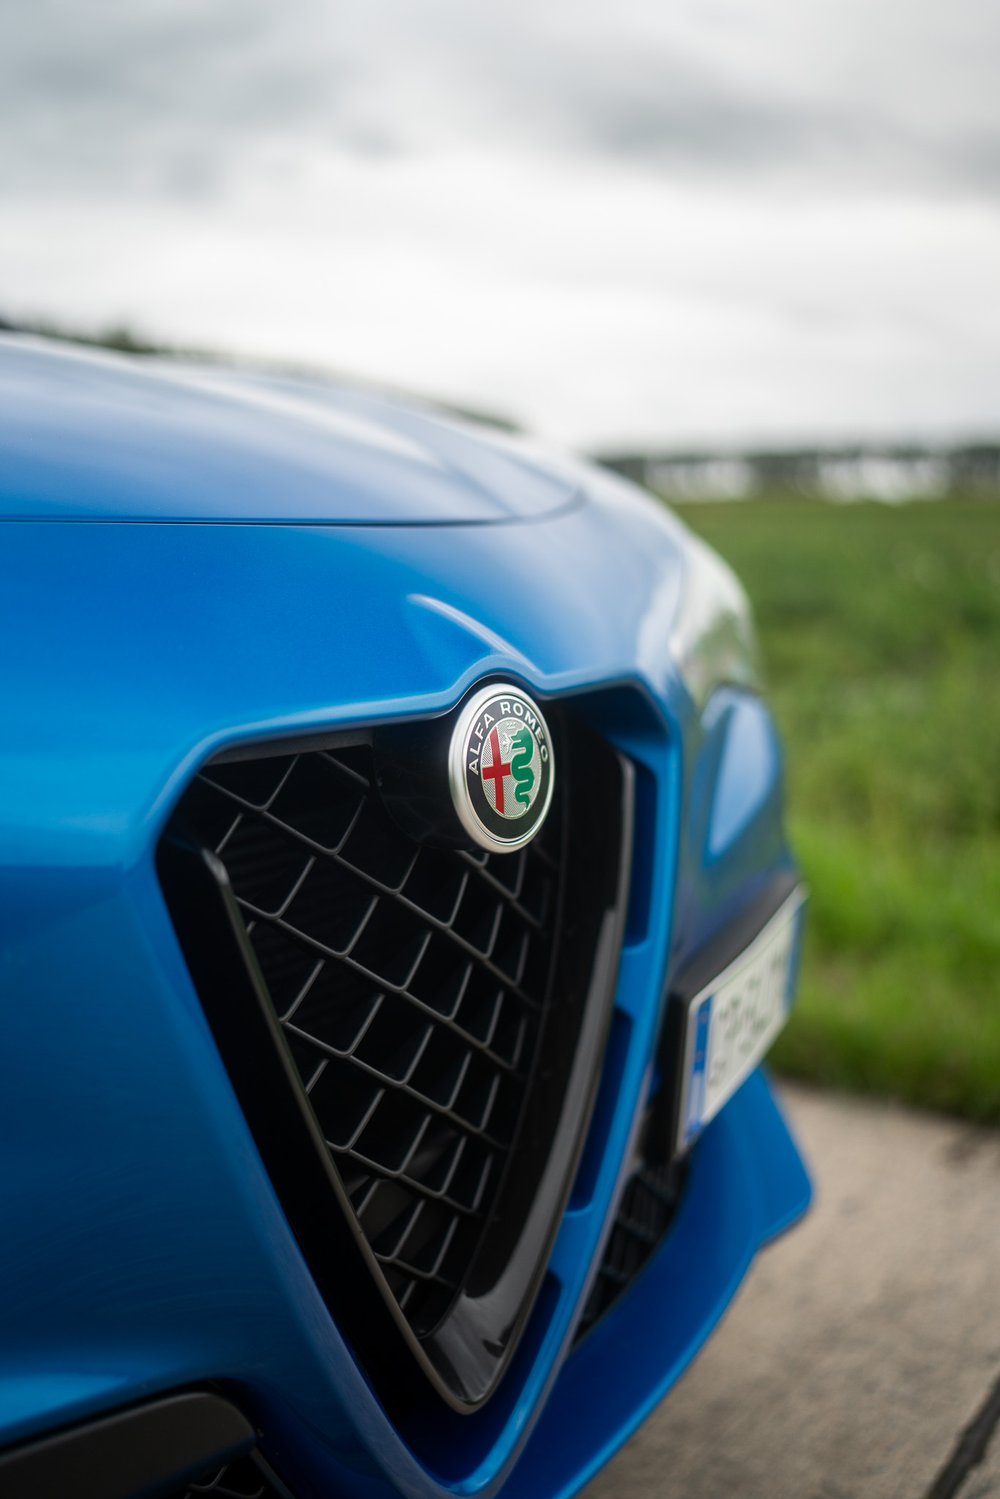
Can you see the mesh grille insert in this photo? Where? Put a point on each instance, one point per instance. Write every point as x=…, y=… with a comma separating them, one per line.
x=409, y=983
x=414, y=1032
x=645, y=1213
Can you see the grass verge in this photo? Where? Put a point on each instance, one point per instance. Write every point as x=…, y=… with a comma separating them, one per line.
x=880, y=630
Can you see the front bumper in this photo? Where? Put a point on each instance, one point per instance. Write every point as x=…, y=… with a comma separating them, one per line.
x=747, y=1185
x=145, y=1250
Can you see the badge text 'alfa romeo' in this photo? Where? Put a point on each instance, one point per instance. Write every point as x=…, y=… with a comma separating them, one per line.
x=500, y=768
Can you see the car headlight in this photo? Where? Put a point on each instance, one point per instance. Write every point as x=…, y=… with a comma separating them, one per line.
x=713, y=639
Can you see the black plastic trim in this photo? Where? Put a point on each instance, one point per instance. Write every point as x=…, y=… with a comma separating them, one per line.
x=139, y=1453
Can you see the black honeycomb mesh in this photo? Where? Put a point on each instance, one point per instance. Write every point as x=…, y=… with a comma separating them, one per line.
x=646, y=1210
x=409, y=983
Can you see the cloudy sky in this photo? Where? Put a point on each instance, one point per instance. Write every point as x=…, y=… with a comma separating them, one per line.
x=615, y=220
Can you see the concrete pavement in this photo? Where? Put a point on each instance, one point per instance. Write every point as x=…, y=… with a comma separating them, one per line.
x=863, y=1344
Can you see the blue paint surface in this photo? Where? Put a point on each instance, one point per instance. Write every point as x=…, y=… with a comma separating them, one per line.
x=143, y=1247
x=87, y=435
x=749, y=769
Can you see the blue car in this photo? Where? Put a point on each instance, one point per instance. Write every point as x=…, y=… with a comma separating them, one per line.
x=396, y=910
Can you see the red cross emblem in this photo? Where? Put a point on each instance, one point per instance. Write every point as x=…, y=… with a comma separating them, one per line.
x=496, y=770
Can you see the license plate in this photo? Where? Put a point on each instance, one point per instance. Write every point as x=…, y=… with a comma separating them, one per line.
x=732, y=1022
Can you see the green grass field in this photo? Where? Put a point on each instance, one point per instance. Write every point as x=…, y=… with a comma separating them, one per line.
x=880, y=631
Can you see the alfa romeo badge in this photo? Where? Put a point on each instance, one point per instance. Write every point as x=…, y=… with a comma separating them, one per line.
x=500, y=768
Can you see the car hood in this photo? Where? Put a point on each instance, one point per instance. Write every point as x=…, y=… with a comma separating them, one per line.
x=96, y=436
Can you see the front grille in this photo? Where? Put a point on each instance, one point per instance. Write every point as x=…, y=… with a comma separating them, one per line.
x=645, y=1213
x=414, y=1032
x=409, y=983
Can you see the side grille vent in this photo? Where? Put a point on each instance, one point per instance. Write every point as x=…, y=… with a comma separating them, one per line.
x=415, y=1033
x=645, y=1213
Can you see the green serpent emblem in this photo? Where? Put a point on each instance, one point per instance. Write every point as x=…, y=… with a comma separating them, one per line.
x=520, y=766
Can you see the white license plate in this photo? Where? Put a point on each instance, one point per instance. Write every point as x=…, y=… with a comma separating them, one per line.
x=735, y=1018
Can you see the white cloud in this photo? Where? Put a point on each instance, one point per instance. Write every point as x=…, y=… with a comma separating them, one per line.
x=622, y=222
